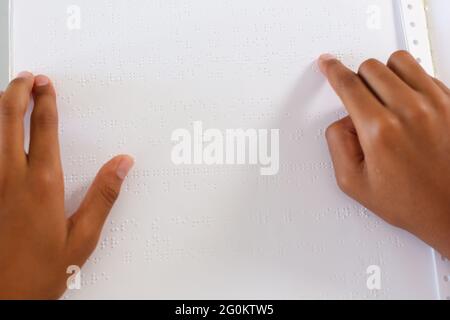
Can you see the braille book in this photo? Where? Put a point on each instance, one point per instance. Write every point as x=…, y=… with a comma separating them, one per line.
x=222, y=105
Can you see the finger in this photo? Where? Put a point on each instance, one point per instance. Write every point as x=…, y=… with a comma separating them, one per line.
x=441, y=85
x=361, y=104
x=412, y=73
x=387, y=86
x=13, y=106
x=87, y=223
x=347, y=155
x=44, y=144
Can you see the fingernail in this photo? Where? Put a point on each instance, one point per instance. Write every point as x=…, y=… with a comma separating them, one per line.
x=327, y=57
x=25, y=74
x=324, y=58
x=41, y=81
x=124, y=167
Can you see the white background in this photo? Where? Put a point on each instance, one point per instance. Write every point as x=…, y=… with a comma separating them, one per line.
x=439, y=34
x=275, y=237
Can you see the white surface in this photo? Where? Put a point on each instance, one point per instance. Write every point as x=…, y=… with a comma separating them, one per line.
x=440, y=40
x=440, y=37
x=135, y=72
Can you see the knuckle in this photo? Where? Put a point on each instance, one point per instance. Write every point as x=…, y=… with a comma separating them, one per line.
x=344, y=182
x=45, y=177
x=419, y=111
x=385, y=129
x=44, y=183
x=443, y=101
x=331, y=131
x=109, y=194
x=336, y=129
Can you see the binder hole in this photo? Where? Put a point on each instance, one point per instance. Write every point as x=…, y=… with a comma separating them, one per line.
x=416, y=42
x=447, y=278
x=410, y=6
x=419, y=60
x=413, y=24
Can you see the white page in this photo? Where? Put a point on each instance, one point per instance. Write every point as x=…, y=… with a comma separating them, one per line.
x=138, y=70
x=439, y=32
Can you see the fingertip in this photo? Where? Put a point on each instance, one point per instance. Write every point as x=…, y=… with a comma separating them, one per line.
x=41, y=81
x=323, y=60
x=124, y=166
x=401, y=55
x=24, y=79
x=43, y=86
x=24, y=75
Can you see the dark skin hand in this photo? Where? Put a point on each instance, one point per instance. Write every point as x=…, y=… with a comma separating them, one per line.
x=37, y=242
x=392, y=153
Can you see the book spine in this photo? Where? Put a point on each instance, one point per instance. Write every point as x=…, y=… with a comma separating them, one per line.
x=442, y=265
x=417, y=40
x=4, y=47
x=415, y=27
x=10, y=39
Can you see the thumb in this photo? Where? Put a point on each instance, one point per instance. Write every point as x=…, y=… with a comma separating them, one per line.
x=347, y=155
x=86, y=224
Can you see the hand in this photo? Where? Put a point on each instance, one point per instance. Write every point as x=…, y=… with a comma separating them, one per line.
x=392, y=154
x=37, y=242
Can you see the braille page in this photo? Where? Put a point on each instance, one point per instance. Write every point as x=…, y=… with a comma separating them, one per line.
x=130, y=73
x=439, y=30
